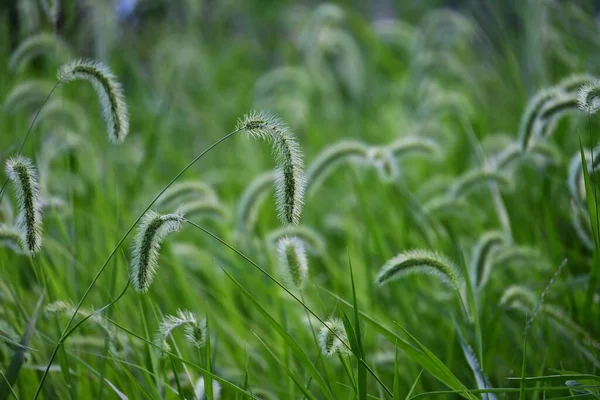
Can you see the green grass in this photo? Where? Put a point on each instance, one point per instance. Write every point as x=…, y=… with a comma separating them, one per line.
x=460, y=77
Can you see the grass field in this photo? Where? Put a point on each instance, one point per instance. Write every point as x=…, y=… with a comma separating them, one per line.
x=434, y=231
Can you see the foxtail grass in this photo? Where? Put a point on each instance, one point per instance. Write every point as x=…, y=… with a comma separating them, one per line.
x=23, y=175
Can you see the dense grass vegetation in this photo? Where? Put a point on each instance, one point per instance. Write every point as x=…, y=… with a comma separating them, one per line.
x=434, y=231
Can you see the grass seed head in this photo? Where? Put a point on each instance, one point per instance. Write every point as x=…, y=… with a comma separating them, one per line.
x=23, y=175
x=109, y=91
x=293, y=261
x=332, y=337
x=152, y=230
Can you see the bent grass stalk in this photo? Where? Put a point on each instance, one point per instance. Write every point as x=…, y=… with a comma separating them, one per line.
x=251, y=199
x=66, y=330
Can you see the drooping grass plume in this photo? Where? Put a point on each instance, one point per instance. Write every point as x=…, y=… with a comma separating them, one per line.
x=512, y=254
x=518, y=294
x=182, y=191
x=63, y=111
x=513, y=153
x=23, y=175
x=289, y=174
x=118, y=344
x=252, y=198
x=152, y=230
x=204, y=208
x=40, y=44
x=292, y=260
x=473, y=178
x=527, y=125
x=313, y=240
x=51, y=9
x=588, y=98
x=10, y=237
x=195, y=330
x=28, y=94
x=332, y=337
x=414, y=145
x=558, y=105
x=481, y=259
x=384, y=162
x=331, y=157
x=109, y=91
x=422, y=262
x=575, y=181
x=574, y=82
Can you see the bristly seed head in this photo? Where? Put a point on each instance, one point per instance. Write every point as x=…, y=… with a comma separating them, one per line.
x=109, y=91
x=195, y=331
x=289, y=173
x=21, y=172
x=292, y=259
x=152, y=230
x=332, y=337
x=589, y=97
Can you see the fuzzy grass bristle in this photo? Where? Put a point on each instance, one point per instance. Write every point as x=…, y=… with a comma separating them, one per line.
x=290, y=180
x=588, y=98
x=21, y=172
x=293, y=261
x=423, y=262
x=108, y=89
x=152, y=230
x=332, y=337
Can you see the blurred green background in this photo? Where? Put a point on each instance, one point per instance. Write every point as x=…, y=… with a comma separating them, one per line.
x=458, y=73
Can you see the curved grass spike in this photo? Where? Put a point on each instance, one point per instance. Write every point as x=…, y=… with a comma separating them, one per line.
x=51, y=9
x=513, y=153
x=36, y=45
x=575, y=181
x=10, y=237
x=414, y=144
x=558, y=105
x=315, y=243
x=65, y=109
x=531, y=115
x=21, y=172
x=205, y=208
x=588, y=98
x=423, y=262
x=331, y=336
x=183, y=190
x=195, y=331
x=473, y=178
x=518, y=294
x=574, y=82
x=384, y=162
x=289, y=174
x=109, y=91
x=117, y=343
x=152, y=229
x=331, y=157
x=481, y=258
x=510, y=254
x=27, y=94
x=292, y=260
x=251, y=199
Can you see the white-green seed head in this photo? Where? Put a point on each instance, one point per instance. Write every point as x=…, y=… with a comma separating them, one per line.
x=51, y=9
x=21, y=172
x=383, y=160
x=332, y=337
x=251, y=199
x=314, y=242
x=109, y=91
x=293, y=261
x=290, y=181
x=423, y=262
x=152, y=230
x=589, y=97
x=481, y=259
x=195, y=330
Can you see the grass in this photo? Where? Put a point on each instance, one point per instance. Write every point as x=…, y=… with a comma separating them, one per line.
x=458, y=79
